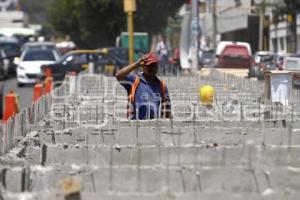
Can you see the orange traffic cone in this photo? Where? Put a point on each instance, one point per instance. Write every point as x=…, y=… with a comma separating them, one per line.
x=37, y=91
x=11, y=105
x=48, y=85
x=48, y=72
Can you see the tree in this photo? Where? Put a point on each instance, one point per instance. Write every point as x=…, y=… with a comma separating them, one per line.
x=37, y=10
x=95, y=23
x=88, y=22
x=292, y=5
x=152, y=16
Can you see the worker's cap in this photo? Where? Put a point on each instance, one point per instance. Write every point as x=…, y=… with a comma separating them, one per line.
x=151, y=59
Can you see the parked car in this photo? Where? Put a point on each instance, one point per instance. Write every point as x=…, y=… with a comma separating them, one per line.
x=207, y=58
x=4, y=65
x=78, y=61
x=40, y=45
x=11, y=48
x=29, y=66
x=233, y=55
x=263, y=60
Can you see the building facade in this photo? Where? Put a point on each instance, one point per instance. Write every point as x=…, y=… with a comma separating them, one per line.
x=11, y=15
x=280, y=37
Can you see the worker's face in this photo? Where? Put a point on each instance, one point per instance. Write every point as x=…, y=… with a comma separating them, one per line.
x=150, y=70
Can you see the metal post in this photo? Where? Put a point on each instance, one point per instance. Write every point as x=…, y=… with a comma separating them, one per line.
x=261, y=28
x=91, y=67
x=111, y=176
x=214, y=38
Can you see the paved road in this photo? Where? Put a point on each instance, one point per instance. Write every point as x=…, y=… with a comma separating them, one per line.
x=25, y=93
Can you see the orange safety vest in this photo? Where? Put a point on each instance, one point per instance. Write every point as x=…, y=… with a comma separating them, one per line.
x=131, y=97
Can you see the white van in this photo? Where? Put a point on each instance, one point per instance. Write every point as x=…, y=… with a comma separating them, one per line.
x=293, y=64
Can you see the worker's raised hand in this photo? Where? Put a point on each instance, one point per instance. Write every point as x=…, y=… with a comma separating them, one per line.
x=142, y=61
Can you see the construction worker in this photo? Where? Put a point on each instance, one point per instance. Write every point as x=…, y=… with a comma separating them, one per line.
x=148, y=96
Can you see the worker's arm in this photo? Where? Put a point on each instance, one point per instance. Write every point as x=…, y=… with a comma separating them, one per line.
x=122, y=73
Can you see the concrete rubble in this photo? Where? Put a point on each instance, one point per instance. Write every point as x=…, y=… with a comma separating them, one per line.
x=241, y=148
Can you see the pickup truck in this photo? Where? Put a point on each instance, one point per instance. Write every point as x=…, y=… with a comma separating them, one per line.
x=233, y=55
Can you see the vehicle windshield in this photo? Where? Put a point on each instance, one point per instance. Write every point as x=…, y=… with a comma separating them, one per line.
x=40, y=47
x=207, y=54
x=39, y=55
x=237, y=51
x=75, y=58
x=266, y=58
x=11, y=49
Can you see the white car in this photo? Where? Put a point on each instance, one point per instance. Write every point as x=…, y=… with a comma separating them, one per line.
x=29, y=65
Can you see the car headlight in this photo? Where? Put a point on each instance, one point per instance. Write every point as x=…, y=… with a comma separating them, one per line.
x=21, y=68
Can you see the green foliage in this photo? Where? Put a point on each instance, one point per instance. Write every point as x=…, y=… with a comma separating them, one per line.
x=278, y=13
x=152, y=15
x=95, y=23
x=293, y=5
x=37, y=10
x=87, y=22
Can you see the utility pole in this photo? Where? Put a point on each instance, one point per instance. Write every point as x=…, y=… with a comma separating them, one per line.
x=261, y=26
x=253, y=10
x=214, y=15
x=129, y=8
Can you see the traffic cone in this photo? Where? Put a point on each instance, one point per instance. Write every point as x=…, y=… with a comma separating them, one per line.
x=11, y=105
x=37, y=91
x=48, y=85
x=47, y=72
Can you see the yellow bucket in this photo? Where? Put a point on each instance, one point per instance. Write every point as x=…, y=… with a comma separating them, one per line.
x=206, y=94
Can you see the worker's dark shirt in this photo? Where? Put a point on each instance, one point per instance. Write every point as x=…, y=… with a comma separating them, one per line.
x=147, y=97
